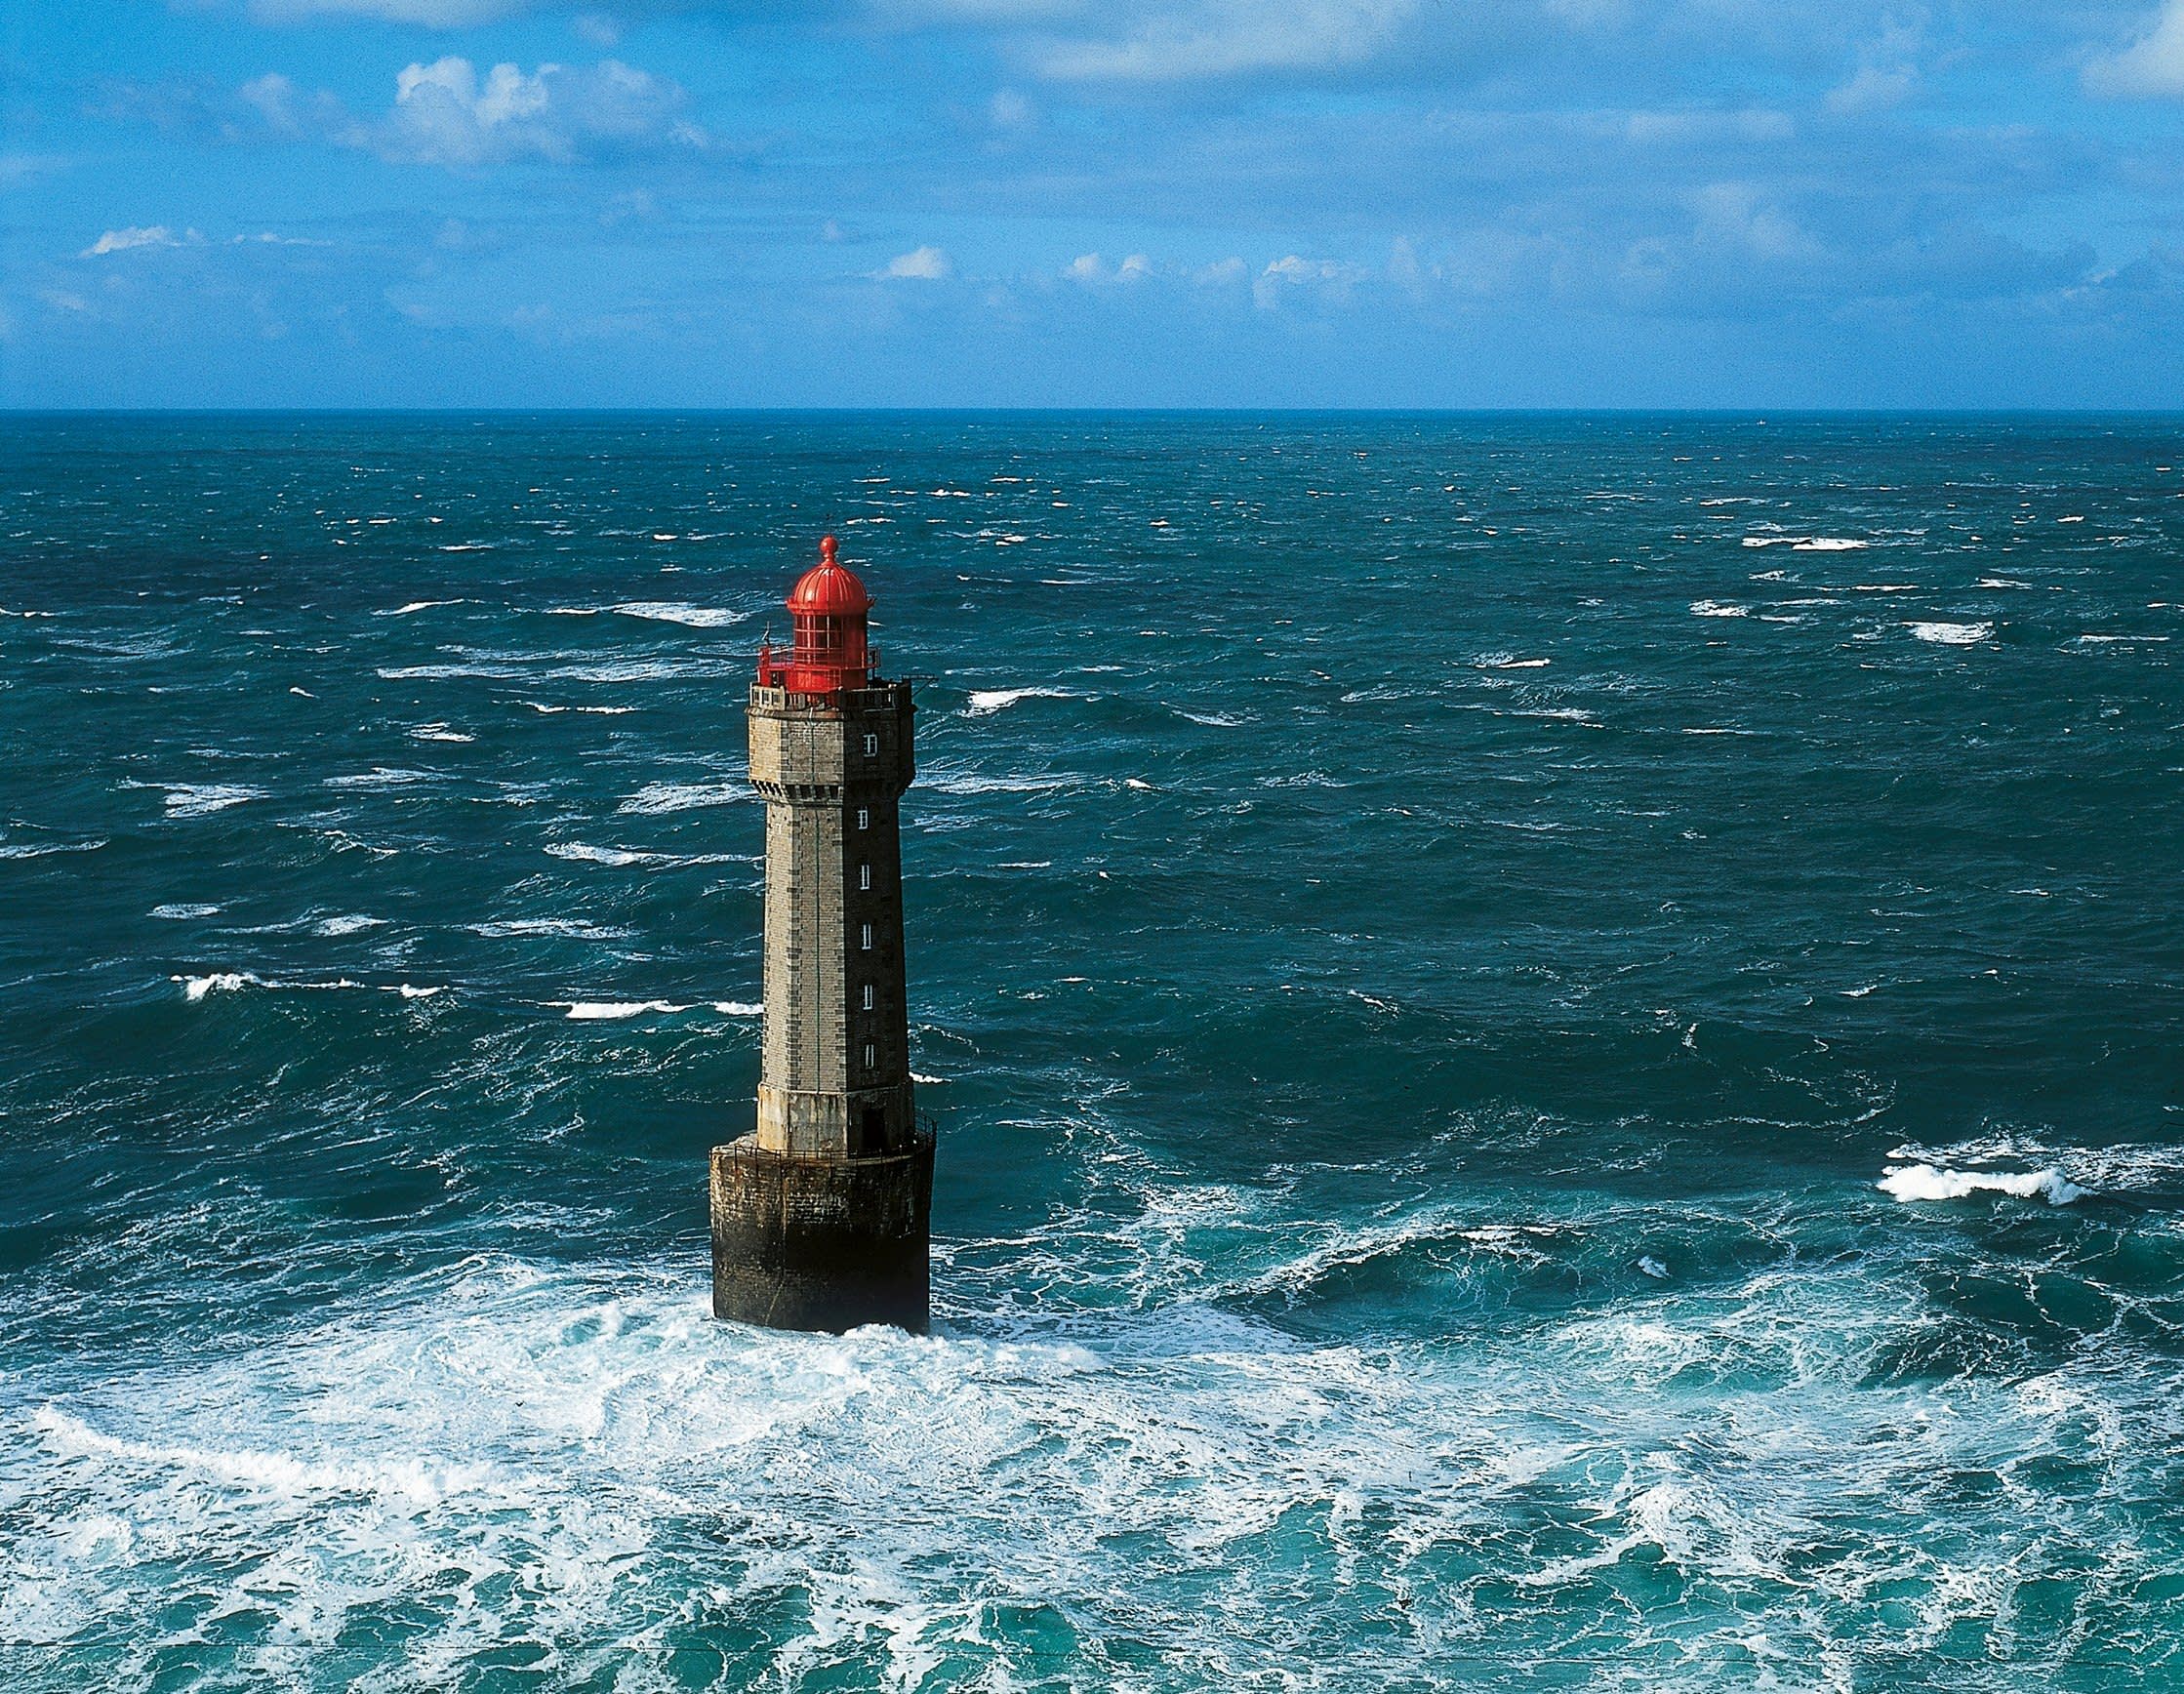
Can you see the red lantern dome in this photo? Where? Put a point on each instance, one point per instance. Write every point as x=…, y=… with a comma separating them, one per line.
x=827, y=610
x=828, y=589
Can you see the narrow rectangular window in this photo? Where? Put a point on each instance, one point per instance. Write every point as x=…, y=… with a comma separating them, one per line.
x=871, y=1056
x=868, y=996
x=866, y=938
x=864, y=877
x=872, y=745
x=863, y=817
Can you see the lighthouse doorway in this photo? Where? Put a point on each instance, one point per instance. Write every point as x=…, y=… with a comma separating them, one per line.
x=871, y=1131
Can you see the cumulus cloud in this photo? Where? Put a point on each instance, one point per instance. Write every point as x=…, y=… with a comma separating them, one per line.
x=919, y=264
x=2152, y=67
x=1294, y=272
x=1090, y=268
x=149, y=235
x=448, y=113
x=445, y=113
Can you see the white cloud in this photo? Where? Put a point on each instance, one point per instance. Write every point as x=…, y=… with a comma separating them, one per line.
x=446, y=114
x=1091, y=268
x=1215, y=38
x=432, y=13
x=2150, y=67
x=921, y=263
x=1009, y=109
x=149, y=235
x=1732, y=214
x=1294, y=272
x=1220, y=271
x=1873, y=89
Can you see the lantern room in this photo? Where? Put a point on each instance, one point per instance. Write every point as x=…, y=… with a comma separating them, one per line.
x=826, y=611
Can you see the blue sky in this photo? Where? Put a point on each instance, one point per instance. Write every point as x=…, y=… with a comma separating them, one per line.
x=1744, y=203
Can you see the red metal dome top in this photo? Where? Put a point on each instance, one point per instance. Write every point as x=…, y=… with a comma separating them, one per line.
x=830, y=651
x=828, y=589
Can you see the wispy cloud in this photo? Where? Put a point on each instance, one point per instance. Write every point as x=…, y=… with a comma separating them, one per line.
x=1224, y=38
x=2150, y=67
x=448, y=113
x=147, y=236
x=919, y=264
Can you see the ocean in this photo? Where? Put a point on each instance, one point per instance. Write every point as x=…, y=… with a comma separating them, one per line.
x=1555, y=1042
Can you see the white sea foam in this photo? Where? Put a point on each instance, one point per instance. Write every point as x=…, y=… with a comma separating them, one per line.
x=415, y=606
x=1925, y=1182
x=379, y=777
x=676, y=611
x=1717, y=608
x=960, y=781
x=218, y=982
x=739, y=1008
x=655, y=798
x=349, y=923
x=517, y=1451
x=1952, y=634
x=995, y=700
x=599, y=855
x=439, y=732
x=40, y=849
x=596, y=710
x=574, y=928
x=1507, y=662
x=614, y=1011
x=1808, y=544
x=202, y=799
x=183, y=909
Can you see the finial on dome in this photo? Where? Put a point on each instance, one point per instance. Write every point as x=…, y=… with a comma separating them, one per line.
x=827, y=545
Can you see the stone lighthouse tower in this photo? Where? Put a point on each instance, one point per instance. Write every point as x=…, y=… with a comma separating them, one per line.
x=820, y=1217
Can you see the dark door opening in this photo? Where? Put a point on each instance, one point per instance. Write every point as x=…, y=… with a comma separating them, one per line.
x=871, y=1130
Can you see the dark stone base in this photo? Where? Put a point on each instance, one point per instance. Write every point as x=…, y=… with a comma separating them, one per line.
x=822, y=1243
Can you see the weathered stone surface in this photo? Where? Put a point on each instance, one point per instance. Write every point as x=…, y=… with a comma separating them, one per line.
x=822, y=1243
x=837, y=1107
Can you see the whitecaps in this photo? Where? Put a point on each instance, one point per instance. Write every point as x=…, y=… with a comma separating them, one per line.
x=1952, y=634
x=183, y=909
x=1717, y=608
x=574, y=928
x=417, y=606
x=614, y=1011
x=993, y=699
x=195, y=989
x=349, y=923
x=202, y=799
x=598, y=855
x=1925, y=1182
x=659, y=797
x=678, y=612
x=946, y=781
x=40, y=849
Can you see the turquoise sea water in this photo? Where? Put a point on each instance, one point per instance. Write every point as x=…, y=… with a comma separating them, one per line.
x=1556, y=1043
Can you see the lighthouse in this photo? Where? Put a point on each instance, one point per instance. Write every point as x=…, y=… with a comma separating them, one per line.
x=820, y=1217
